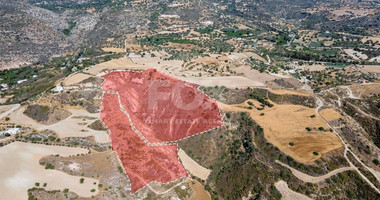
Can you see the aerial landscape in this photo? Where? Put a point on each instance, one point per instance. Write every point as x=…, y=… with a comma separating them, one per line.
x=198, y=100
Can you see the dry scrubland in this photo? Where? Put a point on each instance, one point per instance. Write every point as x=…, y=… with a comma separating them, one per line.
x=365, y=90
x=286, y=124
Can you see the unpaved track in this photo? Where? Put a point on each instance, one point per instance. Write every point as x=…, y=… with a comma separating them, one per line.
x=346, y=149
x=15, y=107
x=362, y=112
x=288, y=194
x=350, y=94
x=193, y=167
x=314, y=179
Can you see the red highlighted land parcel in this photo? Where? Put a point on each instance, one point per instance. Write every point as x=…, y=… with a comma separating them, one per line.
x=146, y=110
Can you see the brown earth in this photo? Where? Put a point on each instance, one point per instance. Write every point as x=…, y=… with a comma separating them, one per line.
x=330, y=114
x=365, y=90
x=199, y=193
x=286, y=124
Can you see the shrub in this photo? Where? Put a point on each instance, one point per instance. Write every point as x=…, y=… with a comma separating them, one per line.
x=315, y=153
x=49, y=166
x=308, y=129
x=291, y=143
x=228, y=115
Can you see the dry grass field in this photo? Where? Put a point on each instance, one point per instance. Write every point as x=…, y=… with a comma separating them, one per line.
x=199, y=191
x=330, y=114
x=253, y=74
x=374, y=39
x=113, y=50
x=75, y=79
x=371, y=68
x=285, y=127
x=356, y=55
x=227, y=81
x=115, y=64
x=293, y=92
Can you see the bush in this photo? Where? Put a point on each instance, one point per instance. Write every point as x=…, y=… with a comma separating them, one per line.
x=291, y=143
x=308, y=129
x=49, y=166
x=81, y=180
x=228, y=115
x=315, y=153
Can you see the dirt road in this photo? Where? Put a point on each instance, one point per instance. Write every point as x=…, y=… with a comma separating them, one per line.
x=192, y=166
x=288, y=194
x=15, y=107
x=346, y=149
x=314, y=179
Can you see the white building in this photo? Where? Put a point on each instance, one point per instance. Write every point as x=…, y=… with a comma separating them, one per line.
x=21, y=81
x=58, y=88
x=11, y=131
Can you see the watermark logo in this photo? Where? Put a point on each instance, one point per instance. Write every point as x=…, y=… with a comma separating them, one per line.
x=182, y=96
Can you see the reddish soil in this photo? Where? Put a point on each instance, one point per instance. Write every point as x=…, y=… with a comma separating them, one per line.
x=141, y=162
x=163, y=108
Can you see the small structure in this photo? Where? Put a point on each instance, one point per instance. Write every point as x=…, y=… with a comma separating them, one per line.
x=58, y=88
x=11, y=131
x=4, y=87
x=21, y=81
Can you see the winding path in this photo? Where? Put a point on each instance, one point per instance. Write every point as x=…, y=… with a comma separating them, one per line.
x=346, y=149
x=287, y=193
x=314, y=179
